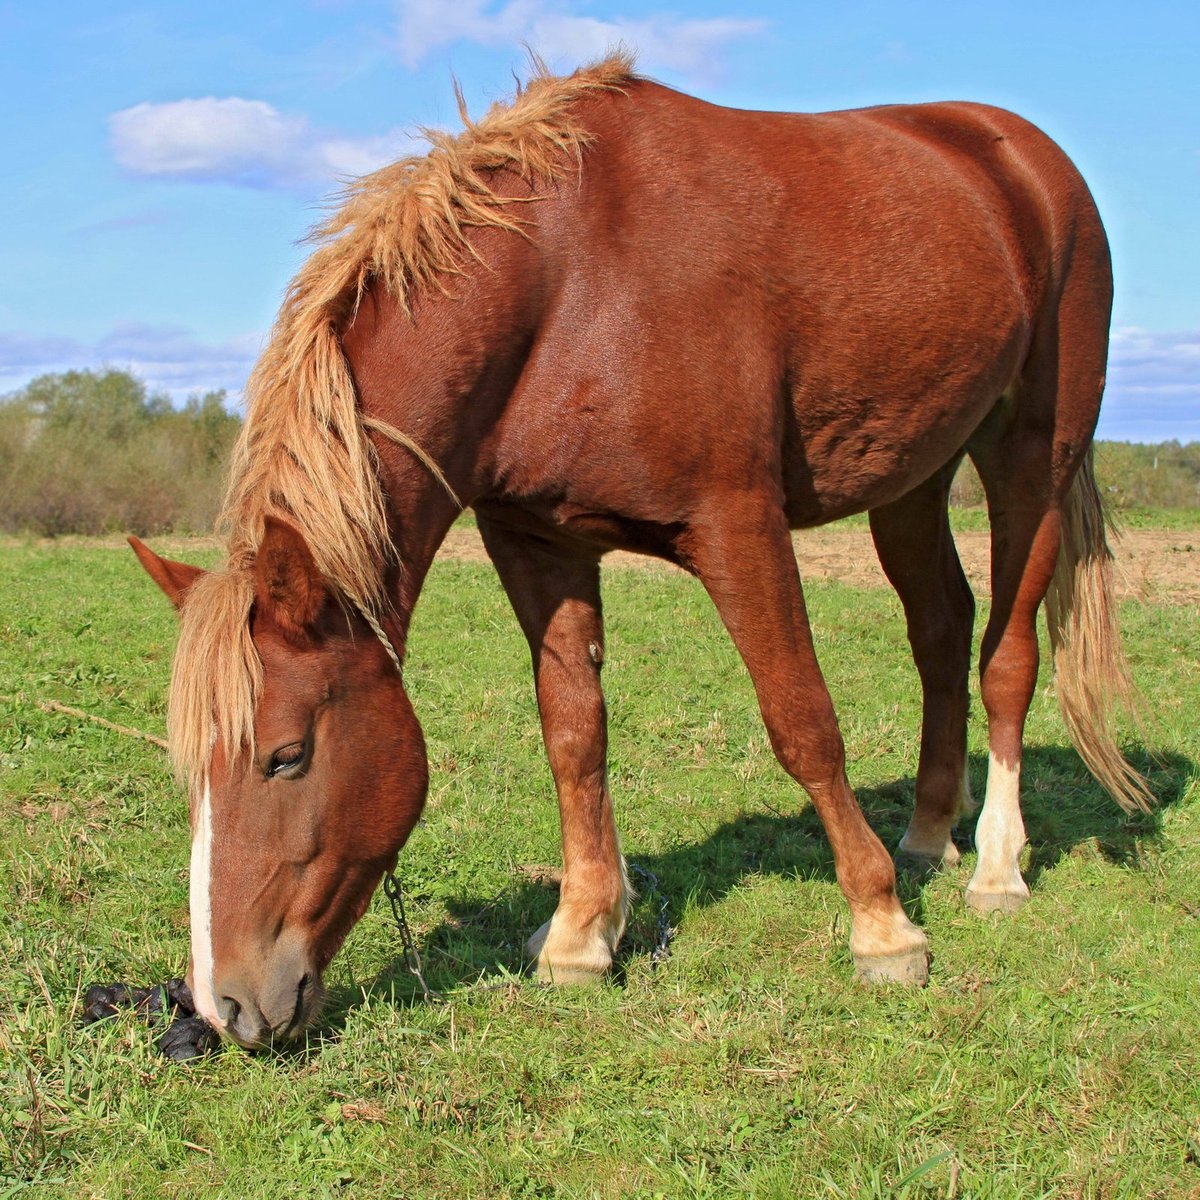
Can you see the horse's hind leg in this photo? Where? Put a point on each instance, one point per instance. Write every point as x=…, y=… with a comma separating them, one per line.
x=916, y=549
x=742, y=552
x=556, y=597
x=1025, y=536
x=1027, y=453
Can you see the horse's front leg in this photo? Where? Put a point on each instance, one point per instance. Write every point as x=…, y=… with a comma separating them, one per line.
x=742, y=551
x=556, y=596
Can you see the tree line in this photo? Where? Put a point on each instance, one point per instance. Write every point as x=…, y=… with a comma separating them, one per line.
x=96, y=452
x=1134, y=476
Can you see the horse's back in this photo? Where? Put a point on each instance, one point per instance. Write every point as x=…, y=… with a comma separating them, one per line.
x=758, y=174
x=836, y=299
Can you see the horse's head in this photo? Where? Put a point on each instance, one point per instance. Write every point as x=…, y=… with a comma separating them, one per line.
x=291, y=836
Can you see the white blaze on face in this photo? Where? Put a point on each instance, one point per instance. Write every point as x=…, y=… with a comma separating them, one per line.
x=200, y=899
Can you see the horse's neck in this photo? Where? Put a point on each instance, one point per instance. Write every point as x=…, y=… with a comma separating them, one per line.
x=441, y=378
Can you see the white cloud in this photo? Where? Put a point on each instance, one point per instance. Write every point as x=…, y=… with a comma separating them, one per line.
x=167, y=358
x=24, y=353
x=1153, y=389
x=1156, y=362
x=250, y=143
x=427, y=24
x=246, y=142
x=689, y=46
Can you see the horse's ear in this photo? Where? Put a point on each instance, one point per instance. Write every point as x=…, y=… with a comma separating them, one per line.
x=288, y=586
x=173, y=577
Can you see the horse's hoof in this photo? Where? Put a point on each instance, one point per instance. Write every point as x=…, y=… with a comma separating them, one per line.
x=996, y=902
x=910, y=968
x=561, y=975
x=585, y=961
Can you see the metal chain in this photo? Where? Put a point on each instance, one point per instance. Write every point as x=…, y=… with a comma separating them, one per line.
x=391, y=889
x=666, y=931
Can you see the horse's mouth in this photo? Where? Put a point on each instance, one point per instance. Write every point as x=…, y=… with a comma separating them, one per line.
x=310, y=995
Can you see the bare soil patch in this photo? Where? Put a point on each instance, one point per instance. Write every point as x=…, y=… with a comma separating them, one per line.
x=1153, y=565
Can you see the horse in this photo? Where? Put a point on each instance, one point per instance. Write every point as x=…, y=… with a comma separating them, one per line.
x=610, y=315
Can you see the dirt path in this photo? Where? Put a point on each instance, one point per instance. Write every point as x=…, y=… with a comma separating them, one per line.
x=1153, y=565
x=1158, y=566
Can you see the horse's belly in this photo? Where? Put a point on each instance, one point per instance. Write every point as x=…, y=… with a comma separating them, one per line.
x=868, y=426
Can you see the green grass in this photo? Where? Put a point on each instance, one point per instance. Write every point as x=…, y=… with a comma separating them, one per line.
x=1137, y=517
x=1133, y=517
x=1053, y=1054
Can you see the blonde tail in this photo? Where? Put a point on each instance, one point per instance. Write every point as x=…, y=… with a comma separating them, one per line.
x=1093, y=679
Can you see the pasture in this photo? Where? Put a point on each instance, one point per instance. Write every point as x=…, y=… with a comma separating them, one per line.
x=1053, y=1054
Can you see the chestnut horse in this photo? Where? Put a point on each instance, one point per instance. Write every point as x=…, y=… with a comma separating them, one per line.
x=610, y=315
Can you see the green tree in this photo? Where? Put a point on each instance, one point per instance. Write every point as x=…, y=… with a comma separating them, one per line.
x=110, y=404
x=88, y=451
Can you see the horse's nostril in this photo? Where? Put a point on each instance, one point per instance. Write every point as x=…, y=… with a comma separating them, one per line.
x=298, y=1011
x=228, y=1009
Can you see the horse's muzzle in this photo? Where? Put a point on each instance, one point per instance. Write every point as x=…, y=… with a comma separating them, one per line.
x=269, y=1001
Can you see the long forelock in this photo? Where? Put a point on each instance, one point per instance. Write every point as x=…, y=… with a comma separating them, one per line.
x=303, y=454
x=217, y=676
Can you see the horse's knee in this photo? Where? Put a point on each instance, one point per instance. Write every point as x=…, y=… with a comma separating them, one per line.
x=812, y=754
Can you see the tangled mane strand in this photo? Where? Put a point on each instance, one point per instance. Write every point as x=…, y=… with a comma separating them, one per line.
x=303, y=454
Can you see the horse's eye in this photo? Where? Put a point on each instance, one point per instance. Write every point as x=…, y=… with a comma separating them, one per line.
x=287, y=759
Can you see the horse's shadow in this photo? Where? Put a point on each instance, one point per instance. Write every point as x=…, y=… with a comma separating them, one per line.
x=1063, y=808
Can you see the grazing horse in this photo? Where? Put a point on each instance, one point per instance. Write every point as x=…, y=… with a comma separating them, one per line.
x=609, y=315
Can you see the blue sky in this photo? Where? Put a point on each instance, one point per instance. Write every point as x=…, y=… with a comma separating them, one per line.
x=161, y=160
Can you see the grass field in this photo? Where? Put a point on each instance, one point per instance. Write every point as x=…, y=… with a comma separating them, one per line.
x=1053, y=1054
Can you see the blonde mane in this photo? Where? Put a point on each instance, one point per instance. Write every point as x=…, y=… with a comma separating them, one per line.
x=303, y=453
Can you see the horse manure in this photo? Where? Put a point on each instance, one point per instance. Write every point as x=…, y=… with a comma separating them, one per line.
x=187, y=1035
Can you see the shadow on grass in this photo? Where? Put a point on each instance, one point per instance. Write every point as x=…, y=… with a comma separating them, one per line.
x=1063, y=808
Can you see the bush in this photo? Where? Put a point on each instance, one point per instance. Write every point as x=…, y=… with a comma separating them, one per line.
x=1132, y=475
x=92, y=452
x=1166, y=475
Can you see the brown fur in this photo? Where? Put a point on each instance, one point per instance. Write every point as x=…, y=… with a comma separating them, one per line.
x=729, y=324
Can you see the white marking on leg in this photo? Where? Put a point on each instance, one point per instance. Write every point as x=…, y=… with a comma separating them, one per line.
x=999, y=837
x=565, y=953
x=930, y=841
x=200, y=900
x=884, y=933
